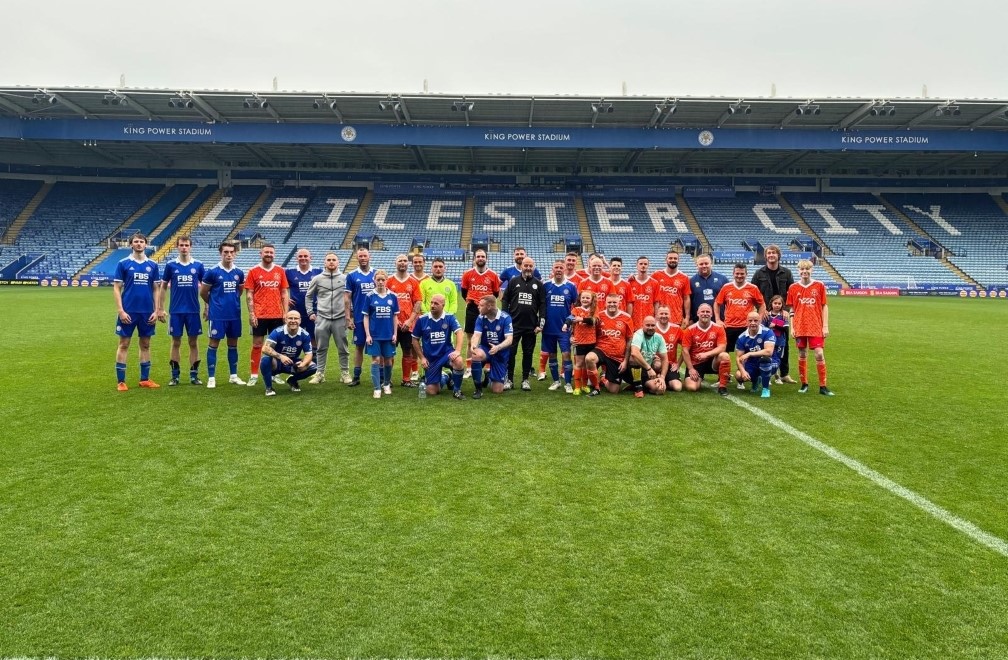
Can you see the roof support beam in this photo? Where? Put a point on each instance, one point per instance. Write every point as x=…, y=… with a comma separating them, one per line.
x=1001, y=112
x=924, y=116
x=259, y=153
x=133, y=104
x=788, y=161
x=630, y=160
x=67, y=103
x=531, y=111
x=857, y=115
x=418, y=154
x=16, y=109
x=205, y=108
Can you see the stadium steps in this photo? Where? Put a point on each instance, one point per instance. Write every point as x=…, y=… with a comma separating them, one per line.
x=833, y=272
x=588, y=245
x=174, y=214
x=191, y=224
x=692, y=223
x=805, y=227
x=1000, y=201
x=251, y=213
x=110, y=246
x=468, y=220
x=958, y=272
x=358, y=221
x=14, y=230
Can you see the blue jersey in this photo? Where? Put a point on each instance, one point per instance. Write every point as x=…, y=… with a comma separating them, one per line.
x=225, y=292
x=494, y=331
x=293, y=346
x=184, y=281
x=435, y=335
x=560, y=298
x=139, y=281
x=381, y=312
x=515, y=271
x=705, y=290
x=748, y=344
x=359, y=285
x=298, y=283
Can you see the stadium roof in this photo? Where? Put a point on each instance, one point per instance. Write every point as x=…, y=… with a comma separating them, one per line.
x=321, y=108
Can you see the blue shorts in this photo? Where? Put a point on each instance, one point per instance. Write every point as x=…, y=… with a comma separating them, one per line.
x=359, y=338
x=432, y=376
x=191, y=323
x=549, y=343
x=139, y=324
x=498, y=366
x=752, y=367
x=231, y=329
x=381, y=348
x=281, y=368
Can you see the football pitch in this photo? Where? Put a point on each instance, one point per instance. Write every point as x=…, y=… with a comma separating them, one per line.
x=185, y=522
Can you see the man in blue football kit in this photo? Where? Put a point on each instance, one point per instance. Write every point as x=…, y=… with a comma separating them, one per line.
x=222, y=292
x=433, y=345
x=561, y=296
x=183, y=276
x=359, y=285
x=287, y=350
x=756, y=355
x=491, y=343
x=135, y=287
x=299, y=279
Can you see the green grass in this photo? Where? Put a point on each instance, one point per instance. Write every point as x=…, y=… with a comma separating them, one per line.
x=191, y=523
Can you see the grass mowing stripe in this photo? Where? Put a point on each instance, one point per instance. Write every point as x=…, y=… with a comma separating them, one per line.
x=995, y=543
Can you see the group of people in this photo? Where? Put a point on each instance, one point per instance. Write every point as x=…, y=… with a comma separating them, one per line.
x=652, y=332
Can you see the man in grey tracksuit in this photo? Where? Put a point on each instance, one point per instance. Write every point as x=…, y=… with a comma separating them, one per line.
x=325, y=305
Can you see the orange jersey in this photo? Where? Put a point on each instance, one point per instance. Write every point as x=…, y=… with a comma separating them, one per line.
x=673, y=290
x=738, y=301
x=601, y=289
x=614, y=334
x=673, y=339
x=621, y=289
x=807, y=303
x=583, y=334
x=574, y=278
x=643, y=295
x=408, y=292
x=267, y=288
x=697, y=341
x=477, y=284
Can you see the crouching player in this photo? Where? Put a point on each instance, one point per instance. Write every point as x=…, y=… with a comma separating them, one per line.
x=435, y=349
x=287, y=350
x=491, y=343
x=756, y=355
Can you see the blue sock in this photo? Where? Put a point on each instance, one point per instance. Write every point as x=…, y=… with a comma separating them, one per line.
x=766, y=369
x=121, y=372
x=568, y=368
x=376, y=375
x=211, y=361
x=388, y=374
x=145, y=371
x=554, y=369
x=266, y=371
x=457, y=380
x=298, y=376
x=356, y=373
x=233, y=360
x=175, y=369
x=477, y=374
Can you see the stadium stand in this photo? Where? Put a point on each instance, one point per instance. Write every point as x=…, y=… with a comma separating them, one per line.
x=630, y=228
x=14, y=196
x=394, y=222
x=539, y=222
x=218, y=223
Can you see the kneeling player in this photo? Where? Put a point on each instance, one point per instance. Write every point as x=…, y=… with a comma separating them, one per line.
x=281, y=352
x=491, y=342
x=755, y=353
x=433, y=345
x=703, y=352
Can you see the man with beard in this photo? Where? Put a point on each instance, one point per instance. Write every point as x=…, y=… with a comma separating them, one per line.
x=647, y=348
x=674, y=289
x=267, y=295
x=477, y=282
x=407, y=289
x=738, y=298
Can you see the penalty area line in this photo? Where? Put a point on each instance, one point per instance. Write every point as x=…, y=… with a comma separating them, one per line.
x=995, y=543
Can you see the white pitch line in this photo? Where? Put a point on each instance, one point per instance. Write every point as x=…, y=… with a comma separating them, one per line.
x=995, y=543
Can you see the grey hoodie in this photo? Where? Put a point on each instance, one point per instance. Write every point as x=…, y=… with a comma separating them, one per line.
x=329, y=289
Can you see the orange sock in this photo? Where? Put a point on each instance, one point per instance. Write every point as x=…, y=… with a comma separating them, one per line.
x=724, y=374
x=803, y=370
x=543, y=361
x=254, y=361
x=821, y=368
x=593, y=378
x=469, y=363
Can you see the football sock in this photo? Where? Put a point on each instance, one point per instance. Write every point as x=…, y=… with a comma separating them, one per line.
x=356, y=373
x=554, y=367
x=457, y=379
x=121, y=372
x=477, y=372
x=568, y=368
x=266, y=367
x=803, y=370
x=145, y=371
x=408, y=367
x=766, y=370
x=211, y=361
x=543, y=359
x=254, y=361
x=175, y=368
x=194, y=370
x=298, y=376
x=376, y=375
x=388, y=373
x=593, y=379
x=233, y=360
x=724, y=373
x=821, y=368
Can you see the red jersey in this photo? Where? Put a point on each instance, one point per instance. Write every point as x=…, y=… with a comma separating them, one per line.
x=621, y=289
x=408, y=292
x=738, y=301
x=574, y=278
x=601, y=289
x=673, y=340
x=673, y=290
x=583, y=334
x=614, y=334
x=807, y=303
x=643, y=295
x=477, y=284
x=696, y=340
x=267, y=288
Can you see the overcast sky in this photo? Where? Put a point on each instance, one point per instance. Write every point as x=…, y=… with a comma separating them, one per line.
x=808, y=49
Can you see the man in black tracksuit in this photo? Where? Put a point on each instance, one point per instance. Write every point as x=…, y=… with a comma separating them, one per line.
x=525, y=300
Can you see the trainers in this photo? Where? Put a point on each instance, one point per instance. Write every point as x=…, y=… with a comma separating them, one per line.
x=478, y=394
x=526, y=387
x=595, y=392
x=755, y=387
x=211, y=383
x=195, y=381
x=377, y=393
x=576, y=392
x=386, y=390
x=280, y=378
x=585, y=390
x=271, y=392
x=457, y=394
x=354, y=382
x=122, y=387
x=295, y=385
x=407, y=383
x=723, y=391
x=555, y=386
x=345, y=377
x=541, y=376
x=149, y=384
x=317, y=379
x=765, y=394
x=777, y=380
x=415, y=377
x=173, y=382
x=803, y=389
x=740, y=386
x=235, y=380
x=568, y=389
x=252, y=381
x=508, y=384
x=825, y=391
x=638, y=394
x=467, y=373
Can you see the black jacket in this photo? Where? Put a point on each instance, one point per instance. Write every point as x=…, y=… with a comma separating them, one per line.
x=525, y=301
x=762, y=279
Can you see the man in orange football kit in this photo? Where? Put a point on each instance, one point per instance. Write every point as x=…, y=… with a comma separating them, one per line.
x=810, y=324
x=612, y=348
x=477, y=282
x=407, y=290
x=267, y=295
x=674, y=290
x=738, y=298
x=703, y=351
x=643, y=293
